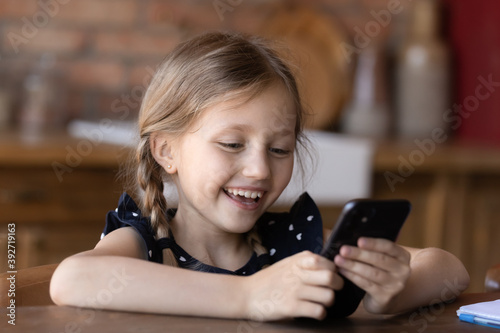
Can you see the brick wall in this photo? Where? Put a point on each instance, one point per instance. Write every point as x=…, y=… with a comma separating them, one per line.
x=106, y=49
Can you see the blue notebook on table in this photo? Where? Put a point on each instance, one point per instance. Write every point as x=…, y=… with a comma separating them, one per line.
x=483, y=313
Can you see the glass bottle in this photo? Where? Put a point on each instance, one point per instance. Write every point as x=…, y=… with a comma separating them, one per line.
x=368, y=114
x=422, y=78
x=39, y=112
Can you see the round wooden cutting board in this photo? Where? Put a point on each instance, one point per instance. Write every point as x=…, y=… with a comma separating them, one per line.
x=314, y=47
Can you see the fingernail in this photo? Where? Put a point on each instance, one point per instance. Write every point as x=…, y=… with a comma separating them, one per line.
x=362, y=242
x=346, y=250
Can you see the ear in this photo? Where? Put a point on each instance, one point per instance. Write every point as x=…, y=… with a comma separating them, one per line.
x=161, y=148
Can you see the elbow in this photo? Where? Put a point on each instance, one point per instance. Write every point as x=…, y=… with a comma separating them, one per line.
x=464, y=279
x=453, y=271
x=458, y=273
x=464, y=276
x=63, y=282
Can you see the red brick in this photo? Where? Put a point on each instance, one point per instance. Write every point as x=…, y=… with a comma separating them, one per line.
x=45, y=39
x=95, y=74
x=134, y=30
x=136, y=43
x=163, y=13
x=188, y=15
x=118, y=106
x=90, y=12
x=75, y=104
x=248, y=19
x=13, y=71
x=376, y=5
x=17, y=8
x=15, y=67
x=141, y=74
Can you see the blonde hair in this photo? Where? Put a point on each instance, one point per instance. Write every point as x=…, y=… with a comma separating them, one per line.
x=194, y=76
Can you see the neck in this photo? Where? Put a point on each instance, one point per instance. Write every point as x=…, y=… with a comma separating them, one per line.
x=211, y=246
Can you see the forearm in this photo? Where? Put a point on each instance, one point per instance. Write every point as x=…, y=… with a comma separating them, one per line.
x=128, y=284
x=436, y=276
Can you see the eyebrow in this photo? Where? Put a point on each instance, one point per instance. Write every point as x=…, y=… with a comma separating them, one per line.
x=245, y=127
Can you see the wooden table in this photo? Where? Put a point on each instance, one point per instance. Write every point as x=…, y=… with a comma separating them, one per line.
x=436, y=318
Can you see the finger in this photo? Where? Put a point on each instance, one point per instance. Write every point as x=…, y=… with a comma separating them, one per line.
x=323, y=296
x=390, y=287
x=313, y=261
x=377, y=259
x=317, y=270
x=323, y=278
x=384, y=246
x=310, y=310
x=359, y=280
x=371, y=278
x=366, y=271
x=378, y=271
x=367, y=285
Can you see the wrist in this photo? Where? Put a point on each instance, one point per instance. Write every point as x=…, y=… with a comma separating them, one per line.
x=242, y=302
x=373, y=306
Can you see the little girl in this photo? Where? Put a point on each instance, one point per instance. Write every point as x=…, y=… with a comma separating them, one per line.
x=221, y=121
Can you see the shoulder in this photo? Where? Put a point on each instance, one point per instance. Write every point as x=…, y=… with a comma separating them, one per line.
x=125, y=242
x=128, y=214
x=287, y=233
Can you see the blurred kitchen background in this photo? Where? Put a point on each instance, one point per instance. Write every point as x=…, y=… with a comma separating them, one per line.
x=403, y=95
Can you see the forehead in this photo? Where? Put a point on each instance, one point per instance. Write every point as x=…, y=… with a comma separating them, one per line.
x=272, y=109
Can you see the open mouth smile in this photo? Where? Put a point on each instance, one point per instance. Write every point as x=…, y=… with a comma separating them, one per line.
x=245, y=197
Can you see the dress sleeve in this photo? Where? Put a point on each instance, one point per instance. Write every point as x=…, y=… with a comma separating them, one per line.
x=129, y=215
x=300, y=229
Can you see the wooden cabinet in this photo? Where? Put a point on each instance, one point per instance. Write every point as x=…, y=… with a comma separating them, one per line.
x=455, y=193
x=56, y=194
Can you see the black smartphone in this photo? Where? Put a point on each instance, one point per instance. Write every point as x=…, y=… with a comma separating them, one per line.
x=362, y=218
x=366, y=218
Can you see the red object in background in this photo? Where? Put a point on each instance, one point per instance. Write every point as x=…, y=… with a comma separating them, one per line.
x=475, y=37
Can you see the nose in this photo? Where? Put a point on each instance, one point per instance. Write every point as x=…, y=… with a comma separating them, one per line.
x=256, y=165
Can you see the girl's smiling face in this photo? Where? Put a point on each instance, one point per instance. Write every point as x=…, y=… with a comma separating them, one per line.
x=234, y=161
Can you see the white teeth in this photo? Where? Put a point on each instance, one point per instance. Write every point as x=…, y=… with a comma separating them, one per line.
x=246, y=194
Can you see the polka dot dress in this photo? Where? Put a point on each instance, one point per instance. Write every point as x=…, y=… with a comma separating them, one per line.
x=282, y=234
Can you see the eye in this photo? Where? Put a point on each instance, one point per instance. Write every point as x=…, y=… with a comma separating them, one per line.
x=279, y=151
x=231, y=145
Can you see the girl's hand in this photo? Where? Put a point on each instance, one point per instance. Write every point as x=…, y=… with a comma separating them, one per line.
x=298, y=286
x=378, y=266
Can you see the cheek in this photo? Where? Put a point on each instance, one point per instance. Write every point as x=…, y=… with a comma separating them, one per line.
x=283, y=173
x=203, y=185
x=213, y=174
x=215, y=181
